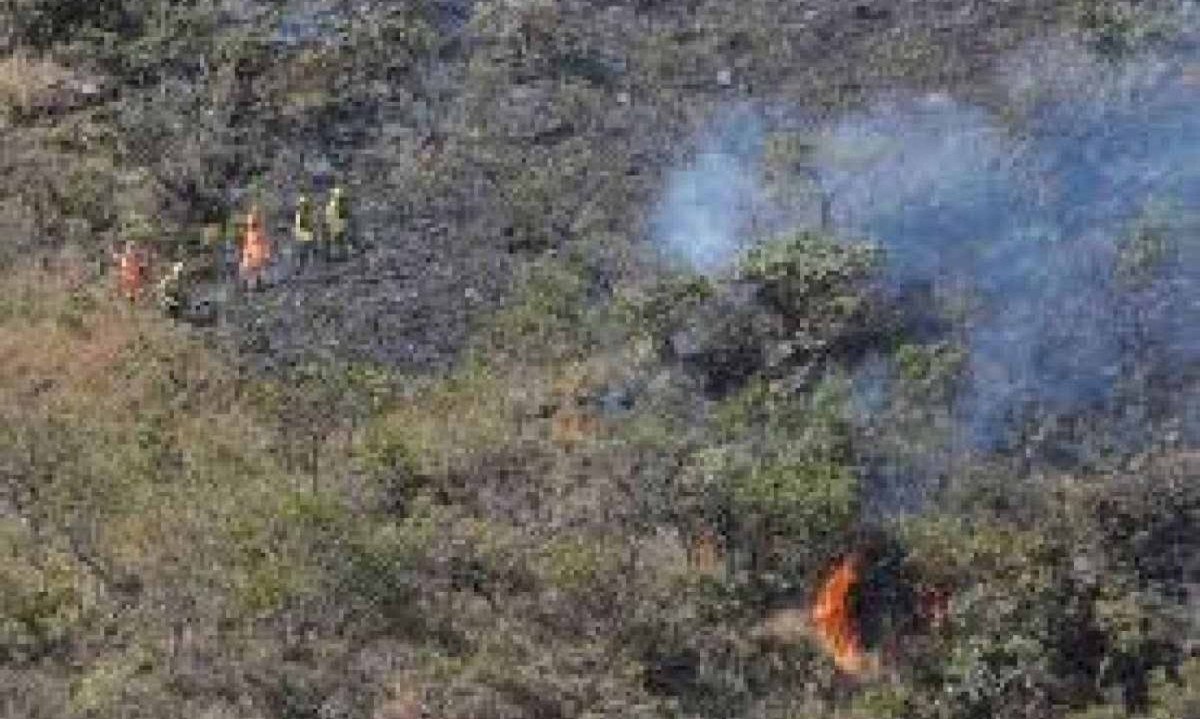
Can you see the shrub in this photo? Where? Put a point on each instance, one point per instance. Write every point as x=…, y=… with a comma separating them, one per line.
x=578, y=565
x=797, y=306
x=41, y=24
x=1178, y=696
x=546, y=320
x=1115, y=28
x=655, y=312
x=779, y=482
x=811, y=278
x=46, y=597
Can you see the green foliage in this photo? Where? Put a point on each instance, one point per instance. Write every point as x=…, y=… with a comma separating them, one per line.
x=1171, y=697
x=781, y=472
x=799, y=271
x=1031, y=625
x=391, y=460
x=546, y=317
x=819, y=292
x=1106, y=711
x=88, y=192
x=1154, y=243
x=577, y=564
x=910, y=425
x=804, y=501
x=925, y=368
x=1014, y=624
x=41, y=23
x=43, y=596
x=1179, y=697
x=274, y=553
x=530, y=198
x=887, y=701
x=1142, y=254
x=106, y=684
x=1116, y=28
x=443, y=429
x=656, y=311
x=378, y=573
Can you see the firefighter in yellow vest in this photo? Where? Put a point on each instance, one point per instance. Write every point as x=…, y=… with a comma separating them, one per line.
x=171, y=291
x=228, y=249
x=337, y=223
x=305, y=231
x=213, y=236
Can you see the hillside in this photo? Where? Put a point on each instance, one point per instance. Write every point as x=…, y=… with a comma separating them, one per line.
x=661, y=320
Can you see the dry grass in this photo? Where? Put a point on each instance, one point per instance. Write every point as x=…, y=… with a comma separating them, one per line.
x=28, y=82
x=66, y=335
x=109, y=374
x=449, y=423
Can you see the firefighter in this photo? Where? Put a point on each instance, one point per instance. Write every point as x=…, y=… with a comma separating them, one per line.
x=228, y=247
x=337, y=223
x=255, y=252
x=131, y=271
x=305, y=231
x=171, y=291
x=214, y=236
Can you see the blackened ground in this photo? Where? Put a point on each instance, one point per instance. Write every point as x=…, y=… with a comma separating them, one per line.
x=489, y=140
x=408, y=302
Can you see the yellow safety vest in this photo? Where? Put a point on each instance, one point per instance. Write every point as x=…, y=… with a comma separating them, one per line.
x=335, y=217
x=304, y=223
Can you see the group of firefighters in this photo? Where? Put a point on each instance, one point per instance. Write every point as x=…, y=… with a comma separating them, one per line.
x=254, y=252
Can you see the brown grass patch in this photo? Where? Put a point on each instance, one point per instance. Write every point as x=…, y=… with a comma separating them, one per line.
x=66, y=339
x=28, y=82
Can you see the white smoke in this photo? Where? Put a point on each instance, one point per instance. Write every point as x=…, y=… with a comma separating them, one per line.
x=1028, y=209
x=705, y=216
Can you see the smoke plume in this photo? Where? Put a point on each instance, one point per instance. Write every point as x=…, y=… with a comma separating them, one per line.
x=1069, y=221
x=704, y=216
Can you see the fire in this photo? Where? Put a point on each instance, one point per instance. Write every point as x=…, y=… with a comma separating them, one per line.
x=867, y=616
x=833, y=618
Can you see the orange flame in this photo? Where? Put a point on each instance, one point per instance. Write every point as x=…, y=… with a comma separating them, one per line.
x=833, y=620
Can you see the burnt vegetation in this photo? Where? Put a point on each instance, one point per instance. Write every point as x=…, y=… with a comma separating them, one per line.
x=505, y=460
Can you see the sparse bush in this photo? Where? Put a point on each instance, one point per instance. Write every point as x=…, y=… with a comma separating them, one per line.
x=578, y=565
x=791, y=497
x=1115, y=27
x=41, y=24
x=811, y=278
x=546, y=320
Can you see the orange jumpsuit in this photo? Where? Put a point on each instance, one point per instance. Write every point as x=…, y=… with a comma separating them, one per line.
x=256, y=252
x=131, y=273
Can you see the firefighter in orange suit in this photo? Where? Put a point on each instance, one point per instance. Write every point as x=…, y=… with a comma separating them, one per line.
x=256, y=252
